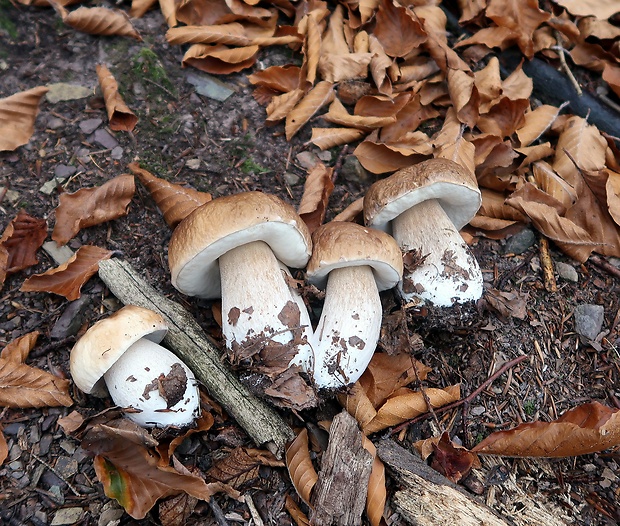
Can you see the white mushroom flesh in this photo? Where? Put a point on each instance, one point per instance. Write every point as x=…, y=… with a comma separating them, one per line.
x=441, y=270
x=348, y=330
x=259, y=307
x=154, y=387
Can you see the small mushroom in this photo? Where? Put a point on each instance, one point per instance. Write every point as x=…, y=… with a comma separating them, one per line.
x=353, y=264
x=424, y=206
x=238, y=248
x=122, y=353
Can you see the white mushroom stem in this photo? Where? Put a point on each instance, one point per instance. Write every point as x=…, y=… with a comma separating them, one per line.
x=144, y=373
x=347, y=334
x=258, y=306
x=449, y=273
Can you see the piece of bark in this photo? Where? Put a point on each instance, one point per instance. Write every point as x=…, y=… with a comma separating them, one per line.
x=428, y=498
x=339, y=496
x=188, y=341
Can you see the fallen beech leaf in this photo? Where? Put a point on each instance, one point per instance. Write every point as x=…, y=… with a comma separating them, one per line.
x=379, y=65
x=295, y=512
x=352, y=212
x=454, y=462
x=315, y=99
x=17, y=116
x=176, y=510
x=4, y=448
x=504, y=117
x=326, y=138
x=517, y=85
x=317, y=189
x=333, y=39
x=602, y=9
x=300, y=468
x=464, y=96
x=380, y=158
x=22, y=237
x=338, y=114
x=25, y=386
x=311, y=49
x=397, y=31
x=533, y=153
x=67, y=279
x=166, y=449
x=92, y=206
x=377, y=492
x=140, y=7
x=241, y=466
x=219, y=59
x=338, y=68
x=406, y=404
x=588, y=428
x=176, y=202
x=101, y=21
x=537, y=122
x=279, y=78
x=611, y=75
x=120, y=117
x=451, y=144
x=16, y=351
x=408, y=119
x=494, y=206
x=489, y=83
x=281, y=105
x=130, y=474
x=434, y=22
x=507, y=304
x=552, y=184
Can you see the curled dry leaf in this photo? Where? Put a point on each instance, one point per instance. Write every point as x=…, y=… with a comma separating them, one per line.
x=295, y=512
x=585, y=429
x=338, y=114
x=356, y=402
x=92, y=206
x=4, y=448
x=22, y=237
x=397, y=31
x=25, y=386
x=452, y=461
x=377, y=492
x=17, y=350
x=17, y=115
x=232, y=34
x=281, y=105
x=602, y=9
x=140, y=7
x=300, y=468
x=176, y=202
x=67, y=279
x=317, y=189
x=204, y=423
x=326, y=138
x=101, y=21
x=451, y=144
x=406, y=404
x=130, y=473
x=537, y=122
x=219, y=59
x=315, y=99
x=278, y=78
x=241, y=467
x=120, y=117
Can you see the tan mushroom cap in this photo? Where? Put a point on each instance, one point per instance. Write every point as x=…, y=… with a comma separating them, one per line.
x=226, y=223
x=452, y=185
x=341, y=244
x=106, y=341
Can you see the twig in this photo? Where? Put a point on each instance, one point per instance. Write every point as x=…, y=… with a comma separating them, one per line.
x=253, y=511
x=547, y=266
x=469, y=398
x=161, y=87
x=217, y=512
x=565, y=67
x=339, y=161
x=57, y=473
x=605, y=265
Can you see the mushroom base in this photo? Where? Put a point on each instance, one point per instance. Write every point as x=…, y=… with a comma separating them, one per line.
x=439, y=268
x=347, y=334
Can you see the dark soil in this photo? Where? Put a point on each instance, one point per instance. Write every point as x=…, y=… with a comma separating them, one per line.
x=224, y=148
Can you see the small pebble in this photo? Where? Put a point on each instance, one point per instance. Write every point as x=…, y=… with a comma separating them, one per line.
x=117, y=153
x=567, y=272
x=104, y=139
x=90, y=125
x=520, y=242
x=291, y=178
x=354, y=172
x=67, y=516
x=589, y=320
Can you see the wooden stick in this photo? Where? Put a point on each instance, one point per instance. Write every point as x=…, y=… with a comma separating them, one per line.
x=547, y=266
x=187, y=340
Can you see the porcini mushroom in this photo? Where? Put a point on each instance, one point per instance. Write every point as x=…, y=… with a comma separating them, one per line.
x=353, y=264
x=238, y=248
x=424, y=206
x=122, y=353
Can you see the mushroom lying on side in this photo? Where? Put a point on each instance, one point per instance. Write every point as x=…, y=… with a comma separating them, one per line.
x=424, y=206
x=122, y=353
x=238, y=248
x=354, y=264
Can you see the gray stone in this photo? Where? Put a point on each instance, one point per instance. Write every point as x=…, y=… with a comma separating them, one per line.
x=117, y=153
x=55, y=123
x=103, y=138
x=307, y=160
x=71, y=319
x=210, y=87
x=291, y=178
x=67, y=516
x=354, y=172
x=589, y=320
x=66, y=466
x=567, y=272
x=62, y=91
x=49, y=187
x=520, y=242
x=64, y=171
x=90, y=125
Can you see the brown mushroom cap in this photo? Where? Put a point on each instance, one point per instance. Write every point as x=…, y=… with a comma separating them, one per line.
x=342, y=244
x=452, y=185
x=226, y=223
x=107, y=340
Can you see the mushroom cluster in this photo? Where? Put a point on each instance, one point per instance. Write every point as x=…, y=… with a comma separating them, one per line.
x=121, y=355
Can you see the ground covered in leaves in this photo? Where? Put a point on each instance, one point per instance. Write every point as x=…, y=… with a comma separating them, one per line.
x=216, y=141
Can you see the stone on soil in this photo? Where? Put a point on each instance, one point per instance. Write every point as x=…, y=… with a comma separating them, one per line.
x=520, y=242
x=589, y=320
x=567, y=272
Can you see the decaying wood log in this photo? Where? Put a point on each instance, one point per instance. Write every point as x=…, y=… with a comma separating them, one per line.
x=188, y=341
x=339, y=496
x=428, y=498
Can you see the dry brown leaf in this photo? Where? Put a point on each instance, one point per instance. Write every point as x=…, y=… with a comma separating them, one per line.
x=17, y=116
x=452, y=461
x=379, y=65
x=16, y=351
x=532, y=154
x=507, y=304
x=140, y=7
x=22, y=237
x=279, y=78
x=408, y=119
x=407, y=404
x=67, y=279
x=585, y=429
x=356, y=402
x=233, y=34
x=101, y=21
x=602, y=9
x=504, y=117
x=611, y=75
x=397, y=31
x=381, y=105
x=333, y=40
x=219, y=59
x=352, y=212
x=315, y=99
x=130, y=473
x=464, y=95
x=381, y=158
x=92, y=206
x=377, y=492
x=241, y=466
x=338, y=114
x=612, y=187
x=120, y=117
x=537, y=122
x=552, y=184
x=326, y=138
x=338, y=68
x=300, y=468
x=176, y=510
x=295, y=512
x=281, y=105
x=517, y=85
x=494, y=206
x=4, y=448
x=317, y=189
x=489, y=83
x=312, y=49
x=176, y=202
x=451, y=144
x=25, y=386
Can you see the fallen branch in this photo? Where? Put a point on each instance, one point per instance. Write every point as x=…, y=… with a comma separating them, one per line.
x=187, y=340
x=547, y=265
